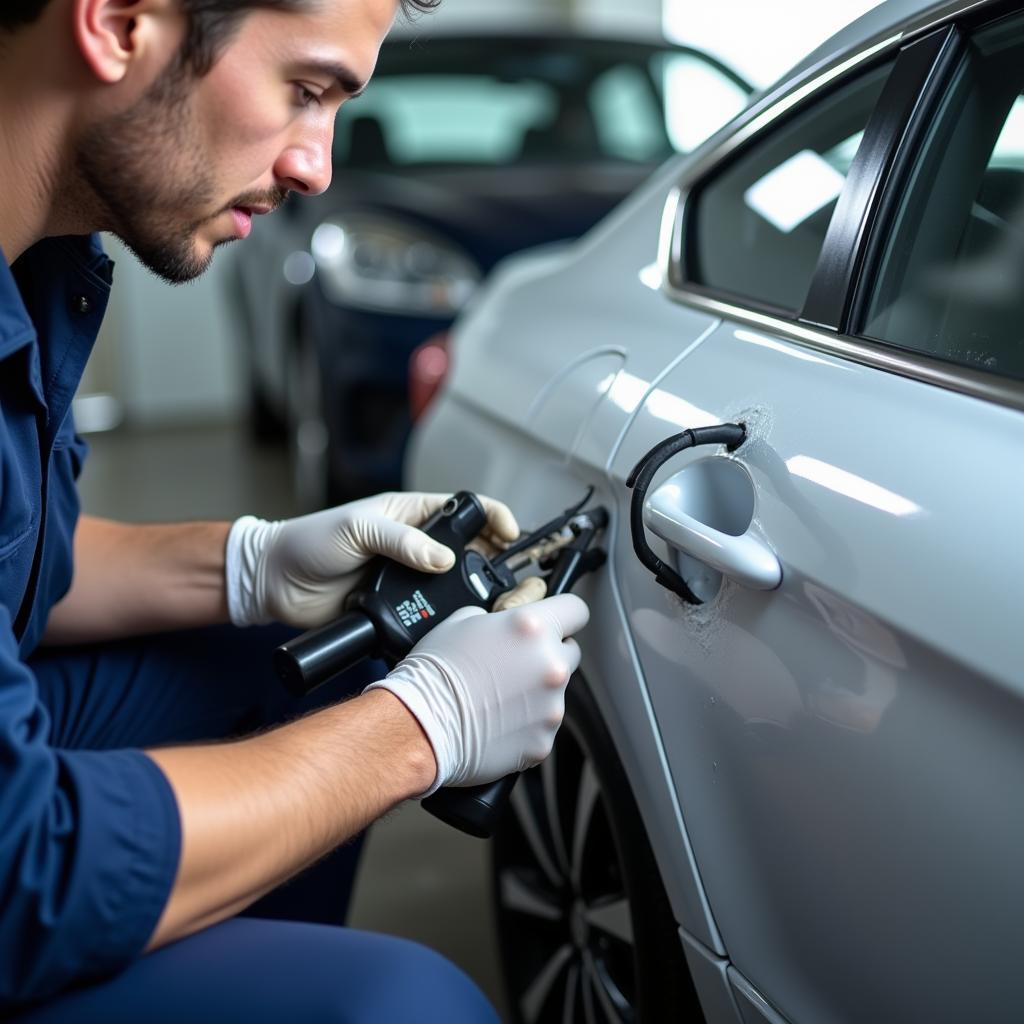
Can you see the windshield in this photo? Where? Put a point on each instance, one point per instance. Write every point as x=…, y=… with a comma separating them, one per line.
x=478, y=102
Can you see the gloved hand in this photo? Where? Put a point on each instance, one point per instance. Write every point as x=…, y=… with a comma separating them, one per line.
x=298, y=571
x=489, y=689
x=530, y=590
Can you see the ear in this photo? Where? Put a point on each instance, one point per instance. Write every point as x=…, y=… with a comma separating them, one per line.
x=114, y=35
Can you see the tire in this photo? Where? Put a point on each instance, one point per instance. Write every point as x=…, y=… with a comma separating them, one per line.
x=265, y=427
x=584, y=926
x=309, y=443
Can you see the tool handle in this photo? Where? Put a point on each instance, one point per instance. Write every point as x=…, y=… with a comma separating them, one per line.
x=475, y=810
x=309, y=660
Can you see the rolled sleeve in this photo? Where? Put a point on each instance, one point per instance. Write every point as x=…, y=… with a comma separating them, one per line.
x=89, y=848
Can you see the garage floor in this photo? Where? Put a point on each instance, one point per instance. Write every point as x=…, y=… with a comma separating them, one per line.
x=419, y=878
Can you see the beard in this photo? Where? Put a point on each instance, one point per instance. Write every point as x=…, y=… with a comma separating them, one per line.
x=134, y=165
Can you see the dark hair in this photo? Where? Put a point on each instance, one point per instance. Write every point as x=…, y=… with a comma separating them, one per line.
x=210, y=22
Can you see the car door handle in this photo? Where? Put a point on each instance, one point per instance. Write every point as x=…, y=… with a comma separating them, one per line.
x=742, y=557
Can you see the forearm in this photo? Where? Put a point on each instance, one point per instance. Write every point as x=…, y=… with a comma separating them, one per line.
x=257, y=811
x=132, y=579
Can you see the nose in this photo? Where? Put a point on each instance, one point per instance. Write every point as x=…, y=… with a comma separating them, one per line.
x=305, y=165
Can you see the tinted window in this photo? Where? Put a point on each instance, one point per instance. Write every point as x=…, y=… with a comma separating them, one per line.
x=952, y=279
x=760, y=222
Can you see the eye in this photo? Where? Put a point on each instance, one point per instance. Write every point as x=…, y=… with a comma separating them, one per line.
x=306, y=97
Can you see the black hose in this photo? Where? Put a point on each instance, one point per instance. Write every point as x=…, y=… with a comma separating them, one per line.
x=732, y=435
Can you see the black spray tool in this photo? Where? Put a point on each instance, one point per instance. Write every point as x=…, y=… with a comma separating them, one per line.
x=397, y=606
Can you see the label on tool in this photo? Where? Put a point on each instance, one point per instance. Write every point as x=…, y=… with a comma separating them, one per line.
x=415, y=609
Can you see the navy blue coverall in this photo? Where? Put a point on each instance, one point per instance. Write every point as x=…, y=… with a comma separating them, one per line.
x=89, y=828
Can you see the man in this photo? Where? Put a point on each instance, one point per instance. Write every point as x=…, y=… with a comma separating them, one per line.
x=172, y=123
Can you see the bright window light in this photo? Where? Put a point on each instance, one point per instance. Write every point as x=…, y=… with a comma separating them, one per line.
x=1009, y=148
x=796, y=189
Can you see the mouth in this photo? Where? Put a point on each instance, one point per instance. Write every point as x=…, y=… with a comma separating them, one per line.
x=243, y=215
x=243, y=221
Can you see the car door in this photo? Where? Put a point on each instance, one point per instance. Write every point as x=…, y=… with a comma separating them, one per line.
x=848, y=747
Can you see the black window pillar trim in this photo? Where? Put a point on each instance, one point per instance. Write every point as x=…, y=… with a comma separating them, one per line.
x=909, y=97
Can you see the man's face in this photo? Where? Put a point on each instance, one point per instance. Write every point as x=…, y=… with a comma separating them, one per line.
x=186, y=167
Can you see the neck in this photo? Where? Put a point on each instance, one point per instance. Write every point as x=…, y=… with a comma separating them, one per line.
x=30, y=176
x=40, y=196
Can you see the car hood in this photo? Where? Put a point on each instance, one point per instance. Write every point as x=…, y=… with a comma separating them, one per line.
x=489, y=212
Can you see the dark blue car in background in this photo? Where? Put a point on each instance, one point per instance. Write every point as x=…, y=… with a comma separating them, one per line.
x=464, y=149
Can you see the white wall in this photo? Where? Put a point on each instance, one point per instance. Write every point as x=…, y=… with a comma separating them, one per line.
x=455, y=13
x=760, y=40
x=635, y=17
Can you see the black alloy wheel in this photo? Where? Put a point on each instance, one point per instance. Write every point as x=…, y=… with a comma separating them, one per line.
x=584, y=926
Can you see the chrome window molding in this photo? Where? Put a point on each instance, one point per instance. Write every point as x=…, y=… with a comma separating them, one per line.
x=917, y=366
x=936, y=18
x=1004, y=391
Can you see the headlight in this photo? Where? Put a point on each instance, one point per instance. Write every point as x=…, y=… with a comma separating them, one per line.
x=376, y=262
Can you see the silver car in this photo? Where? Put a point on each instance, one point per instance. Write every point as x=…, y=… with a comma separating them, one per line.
x=790, y=785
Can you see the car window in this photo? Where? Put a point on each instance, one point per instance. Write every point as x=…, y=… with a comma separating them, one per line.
x=533, y=101
x=437, y=118
x=759, y=223
x=627, y=114
x=951, y=280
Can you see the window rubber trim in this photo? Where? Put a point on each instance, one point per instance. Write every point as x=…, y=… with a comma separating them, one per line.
x=905, y=161
x=911, y=94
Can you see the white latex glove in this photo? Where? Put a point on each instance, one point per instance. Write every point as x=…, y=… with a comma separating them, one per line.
x=298, y=571
x=489, y=689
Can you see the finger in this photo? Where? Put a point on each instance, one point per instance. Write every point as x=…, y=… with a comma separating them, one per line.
x=501, y=524
x=407, y=545
x=532, y=589
x=568, y=612
x=414, y=507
